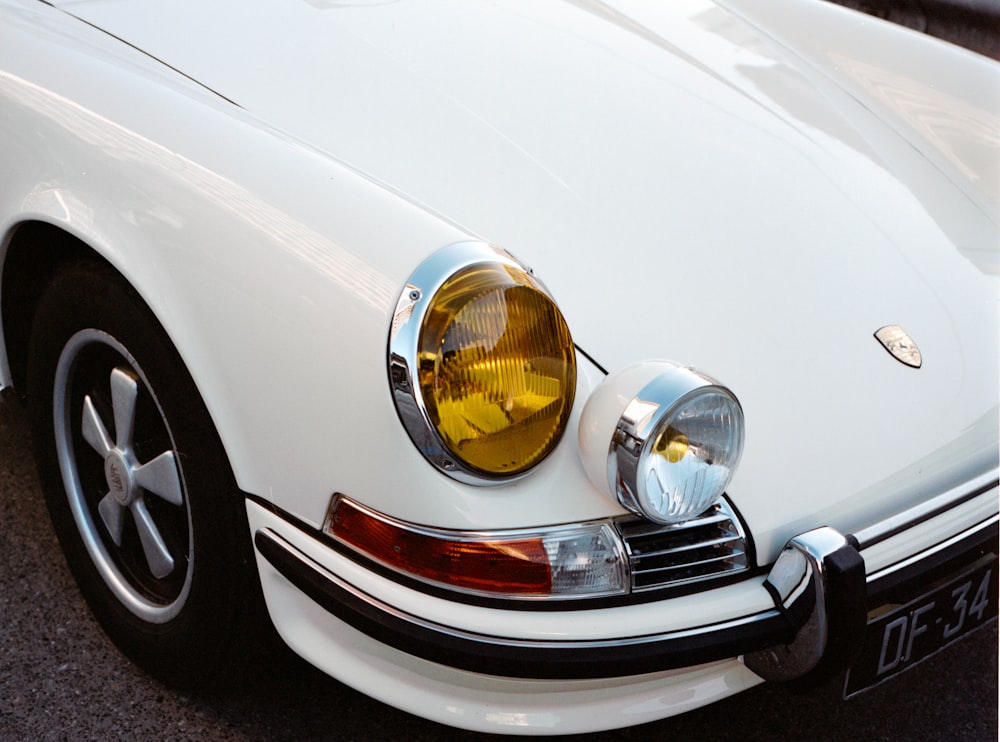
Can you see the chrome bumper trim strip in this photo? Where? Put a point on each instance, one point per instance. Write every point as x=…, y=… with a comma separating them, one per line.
x=926, y=510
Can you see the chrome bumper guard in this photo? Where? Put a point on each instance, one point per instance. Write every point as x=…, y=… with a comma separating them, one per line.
x=821, y=573
x=824, y=572
x=821, y=601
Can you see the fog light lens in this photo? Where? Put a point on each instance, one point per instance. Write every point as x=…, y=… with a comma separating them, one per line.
x=692, y=453
x=674, y=444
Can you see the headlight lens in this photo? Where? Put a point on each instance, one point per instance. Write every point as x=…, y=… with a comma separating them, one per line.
x=482, y=364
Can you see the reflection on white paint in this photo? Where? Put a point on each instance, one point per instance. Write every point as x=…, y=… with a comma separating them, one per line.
x=117, y=143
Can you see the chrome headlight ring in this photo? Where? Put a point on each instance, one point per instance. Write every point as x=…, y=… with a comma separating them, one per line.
x=478, y=355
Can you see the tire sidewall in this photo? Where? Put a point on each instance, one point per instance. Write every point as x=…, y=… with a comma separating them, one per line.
x=191, y=648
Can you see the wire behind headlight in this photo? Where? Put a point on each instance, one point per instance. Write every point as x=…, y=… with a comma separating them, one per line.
x=482, y=364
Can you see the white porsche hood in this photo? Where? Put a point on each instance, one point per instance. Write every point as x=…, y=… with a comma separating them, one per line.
x=688, y=189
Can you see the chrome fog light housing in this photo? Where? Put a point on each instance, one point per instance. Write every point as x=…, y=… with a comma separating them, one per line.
x=665, y=439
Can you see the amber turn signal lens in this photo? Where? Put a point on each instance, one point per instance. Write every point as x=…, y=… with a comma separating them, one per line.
x=511, y=566
x=496, y=368
x=577, y=560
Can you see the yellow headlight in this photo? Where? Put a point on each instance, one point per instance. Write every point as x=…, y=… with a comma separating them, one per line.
x=482, y=364
x=497, y=369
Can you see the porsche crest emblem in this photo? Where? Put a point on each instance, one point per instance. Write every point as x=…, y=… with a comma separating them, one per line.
x=895, y=340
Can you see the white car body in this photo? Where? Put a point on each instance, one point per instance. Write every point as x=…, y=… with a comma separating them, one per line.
x=751, y=188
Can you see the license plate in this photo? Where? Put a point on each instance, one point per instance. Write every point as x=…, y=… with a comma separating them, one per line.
x=907, y=635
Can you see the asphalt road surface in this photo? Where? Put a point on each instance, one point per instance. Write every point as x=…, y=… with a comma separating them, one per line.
x=62, y=679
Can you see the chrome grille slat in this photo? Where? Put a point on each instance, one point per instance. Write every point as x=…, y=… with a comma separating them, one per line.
x=705, y=548
x=643, y=527
x=693, y=564
x=688, y=547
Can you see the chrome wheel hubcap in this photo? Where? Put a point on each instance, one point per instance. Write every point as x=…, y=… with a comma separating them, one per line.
x=128, y=501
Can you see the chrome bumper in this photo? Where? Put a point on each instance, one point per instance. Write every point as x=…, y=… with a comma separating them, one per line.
x=819, y=586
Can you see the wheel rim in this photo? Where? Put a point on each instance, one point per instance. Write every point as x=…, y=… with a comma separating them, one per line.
x=122, y=476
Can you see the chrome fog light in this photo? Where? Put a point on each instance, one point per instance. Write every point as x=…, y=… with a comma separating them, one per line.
x=665, y=439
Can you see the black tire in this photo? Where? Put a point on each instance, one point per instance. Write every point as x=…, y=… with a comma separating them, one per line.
x=147, y=513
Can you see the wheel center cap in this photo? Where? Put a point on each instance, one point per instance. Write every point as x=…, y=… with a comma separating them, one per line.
x=119, y=475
